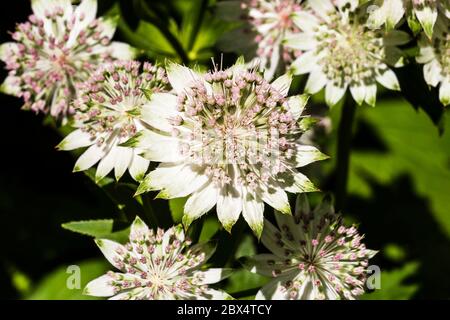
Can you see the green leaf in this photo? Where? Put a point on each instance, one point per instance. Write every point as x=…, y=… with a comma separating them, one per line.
x=177, y=208
x=156, y=42
x=121, y=236
x=210, y=30
x=20, y=281
x=192, y=19
x=413, y=148
x=243, y=280
x=394, y=252
x=93, y=228
x=210, y=227
x=54, y=286
x=393, y=286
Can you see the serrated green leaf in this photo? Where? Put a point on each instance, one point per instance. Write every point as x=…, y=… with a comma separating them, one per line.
x=93, y=228
x=210, y=227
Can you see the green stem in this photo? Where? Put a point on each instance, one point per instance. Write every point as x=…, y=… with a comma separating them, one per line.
x=196, y=230
x=149, y=212
x=345, y=133
x=228, y=243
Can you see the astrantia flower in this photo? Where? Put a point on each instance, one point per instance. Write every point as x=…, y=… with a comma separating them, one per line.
x=55, y=52
x=341, y=52
x=107, y=114
x=228, y=138
x=390, y=12
x=157, y=266
x=271, y=20
x=314, y=256
x=435, y=54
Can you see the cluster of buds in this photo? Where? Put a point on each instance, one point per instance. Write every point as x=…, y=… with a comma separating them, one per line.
x=242, y=122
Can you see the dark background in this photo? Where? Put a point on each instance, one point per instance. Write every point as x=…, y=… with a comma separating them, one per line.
x=38, y=192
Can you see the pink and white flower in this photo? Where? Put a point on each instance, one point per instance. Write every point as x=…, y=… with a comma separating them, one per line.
x=107, y=114
x=161, y=265
x=55, y=52
x=227, y=138
x=341, y=52
x=313, y=256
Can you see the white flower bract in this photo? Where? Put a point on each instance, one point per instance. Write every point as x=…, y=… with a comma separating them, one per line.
x=161, y=265
x=313, y=256
x=435, y=55
x=56, y=51
x=390, y=13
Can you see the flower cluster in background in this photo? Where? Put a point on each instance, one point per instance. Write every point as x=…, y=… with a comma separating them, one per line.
x=224, y=139
x=344, y=44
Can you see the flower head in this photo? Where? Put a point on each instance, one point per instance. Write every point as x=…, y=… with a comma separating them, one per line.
x=227, y=137
x=435, y=55
x=313, y=256
x=159, y=265
x=55, y=51
x=107, y=114
x=341, y=52
x=425, y=12
x=270, y=21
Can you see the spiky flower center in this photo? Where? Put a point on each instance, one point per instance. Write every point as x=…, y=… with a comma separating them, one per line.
x=327, y=252
x=271, y=20
x=350, y=52
x=241, y=125
x=47, y=61
x=157, y=263
x=112, y=99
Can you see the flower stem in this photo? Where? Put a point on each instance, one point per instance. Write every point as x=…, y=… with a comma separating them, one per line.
x=228, y=243
x=345, y=134
x=196, y=229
